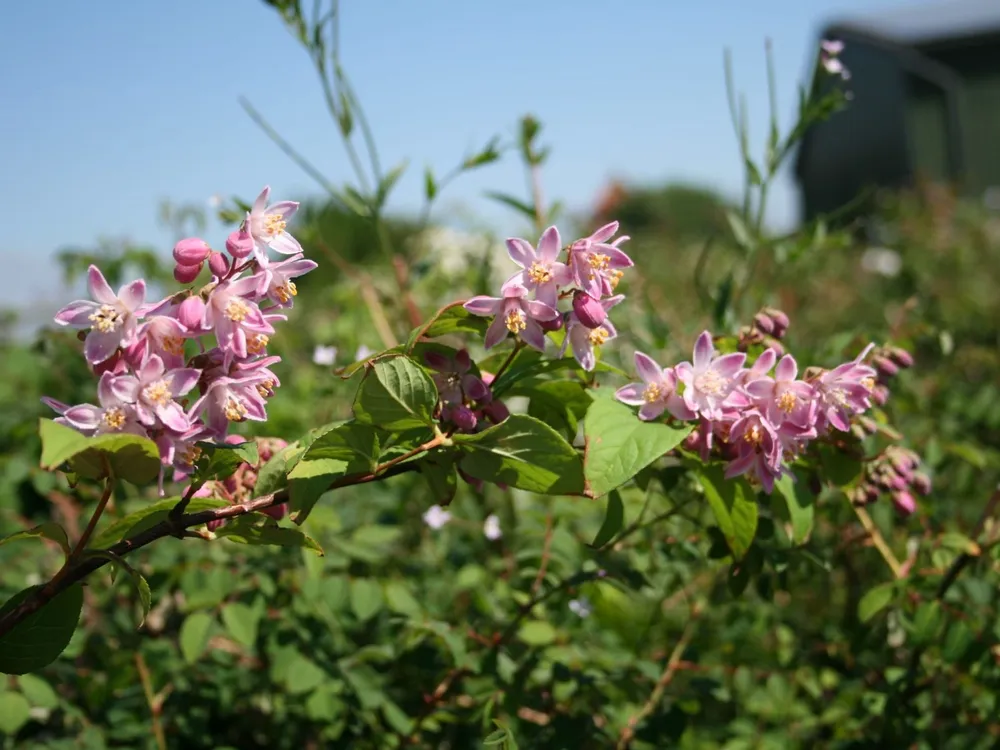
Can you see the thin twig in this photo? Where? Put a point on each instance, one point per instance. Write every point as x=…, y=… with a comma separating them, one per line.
x=879, y=541
x=546, y=552
x=155, y=706
x=81, y=543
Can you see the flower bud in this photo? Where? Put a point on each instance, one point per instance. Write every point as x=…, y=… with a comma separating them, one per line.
x=885, y=366
x=191, y=313
x=468, y=478
x=463, y=360
x=111, y=364
x=872, y=493
x=463, y=418
x=191, y=251
x=215, y=523
x=904, y=502
x=780, y=321
x=239, y=244
x=437, y=361
x=773, y=343
x=186, y=274
x=588, y=310
x=218, y=264
x=922, y=483
x=901, y=357
x=880, y=394
x=476, y=389
x=555, y=324
x=764, y=322
x=277, y=512
x=135, y=353
x=496, y=412
x=869, y=425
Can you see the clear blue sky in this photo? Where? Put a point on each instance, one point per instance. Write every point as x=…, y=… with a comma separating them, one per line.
x=109, y=107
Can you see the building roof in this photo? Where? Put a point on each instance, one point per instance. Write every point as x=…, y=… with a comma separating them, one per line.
x=923, y=23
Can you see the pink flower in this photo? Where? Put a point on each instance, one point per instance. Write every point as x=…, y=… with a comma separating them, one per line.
x=454, y=382
x=829, y=58
x=267, y=225
x=710, y=383
x=233, y=315
x=758, y=449
x=153, y=390
x=844, y=391
x=595, y=266
x=656, y=393
x=276, y=280
x=164, y=336
x=783, y=397
x=584, y=339
x=541, y=272
x=113, y=414
x=516, y=314
x=111, y=318
x=231, y=400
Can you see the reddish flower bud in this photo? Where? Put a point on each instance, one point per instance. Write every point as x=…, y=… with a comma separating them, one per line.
x=905, y=502
x=110, y=364
x=922, y=483
x=215, y=523
x=496, y=412
x=779, y=319
x=764, y=322
x=901, y=357
x=218, y=264
x=191, y=251
x=463, y=418
x=588, y=310
x=277, y=512
x=191, y=313
x=552, y=325
x=880, y=394
x=186, y=274
x=463, y=360
x=885, y=366
x=239, y=244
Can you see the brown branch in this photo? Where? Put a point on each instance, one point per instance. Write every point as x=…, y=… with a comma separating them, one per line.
x=155, y=702
x=878, y=541
x=173, y=527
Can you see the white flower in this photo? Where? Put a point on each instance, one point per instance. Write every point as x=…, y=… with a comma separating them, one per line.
x=436, y=516
x=324, y=355
x=581, y=607
x=363, y=352
x=491, y=529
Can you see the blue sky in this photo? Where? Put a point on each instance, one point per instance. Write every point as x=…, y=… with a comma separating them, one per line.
x=115, y=106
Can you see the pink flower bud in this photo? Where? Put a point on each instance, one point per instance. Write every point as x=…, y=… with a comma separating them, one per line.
x=764, y=322
x=111, y=364
x=901, y=357
x=191, y=313
x=496, y=411
x=437, y=361
x=215, y=523
x=277, y=512
x=186, y=274
x=588, y=310
x=218, y=264
x=552, y=325
x=239, y=244
x=880, y=394
x=885, y=366
x=463, y=360
x=235, y=440
x=780, y=320
x=904, y=502
x=922, y=483
x=191, y=251
x=135, y=353
x=476, y=483
x=463, y=418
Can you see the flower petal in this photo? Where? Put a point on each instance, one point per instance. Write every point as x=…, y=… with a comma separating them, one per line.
x=287, y=209
x=173, y=416
x=787, y=368
x=133, y=295
x=648, y=370
x=520, y=251
x=99, y=288
x=100, y=345
x=652, y=411
x=729, y=364
x=632, y=394
x=541, y=311
x=77, y=314
x=483, y=305
x=83, y=417
x=703, y=351
x=496, y=333
x=533, y=335
x=549, y=245
x=285, y=244
x=183, y=380
x=261, y=202
x=605, y=233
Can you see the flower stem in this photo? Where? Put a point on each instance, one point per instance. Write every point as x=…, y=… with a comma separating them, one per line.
x=518, y=346
x=878, y=540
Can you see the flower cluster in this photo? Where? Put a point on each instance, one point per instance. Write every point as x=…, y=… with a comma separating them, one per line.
x=467, y=403
x=151, y=356
x=759, y=417
x=829, y=58
x=895, y=471
x=588, y=278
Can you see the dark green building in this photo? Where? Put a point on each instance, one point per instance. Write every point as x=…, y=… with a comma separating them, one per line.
x=926, y=104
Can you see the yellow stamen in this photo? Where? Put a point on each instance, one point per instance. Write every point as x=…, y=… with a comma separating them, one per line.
x=868, y=383
x=114, y=418
x=599, y=261
x=710, y=382
x=256, y=343
x=539, y=274
x=173, y=345
x=652, y=393
x=190, y=455
x=614, y=277
x=274, y=224
x=754, y=436
x=234, y=410
x=266, y=389
x=515, y=320
x=285, y=291
x=107, y=319
x=237, y=310
x=157, y=393
x=598, y=336
x=787, y=401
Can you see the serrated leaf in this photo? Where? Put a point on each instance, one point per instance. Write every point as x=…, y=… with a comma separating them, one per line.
x=241, y=622
x=619, y=445
x=525, y=453
x=875, y=600
x=51, y=531
x=396, y=394
x=220, y=460
x=194, y=634
x=130, y=457
x=732, y=501
x=614, y=516
x=146, y=517
x=247, y=530
x=41, y=636
x=800, y=504
x=439, y=469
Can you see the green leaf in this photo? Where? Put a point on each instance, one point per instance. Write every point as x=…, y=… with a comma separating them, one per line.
x=41, y=636
x=449, y=320
x=396, y=394
x=439, y=470
x=732, y=501
x=148, y=516
x=304, y=676
x=875, y=600
x=194, y=634
x=51, y=531
x=537, y=633
x=366, y=598
x=130, y=457
x=15, y=711
x=740, y=232
x=950, y=540
x=510, y=201
x=560, y=404
x=839, y=467
x=220, y=460
x=399, y=599
x=39, y=693
x=799, y=502
x=349, y=448
x=140, y=583
x=619, y=445
x=241, y=623
x=613, y=518
x=388, y=182
x=525, y=453
x=247, y=530
x=957, y=641
x=430, y=185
